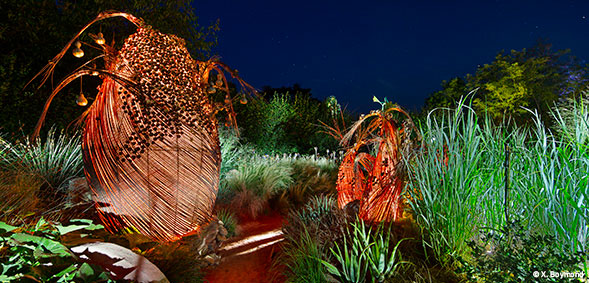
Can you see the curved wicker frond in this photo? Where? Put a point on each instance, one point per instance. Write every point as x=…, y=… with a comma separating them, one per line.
x=376, y=181
x=347, y=183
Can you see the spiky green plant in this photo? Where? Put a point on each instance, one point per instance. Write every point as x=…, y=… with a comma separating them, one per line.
x=352, y=260
x=366, y=254
x=384, y=260
x=55, y=160
x=316, y=208
x=229, y=221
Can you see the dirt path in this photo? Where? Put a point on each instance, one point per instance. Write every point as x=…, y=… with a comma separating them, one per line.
x=248, y=257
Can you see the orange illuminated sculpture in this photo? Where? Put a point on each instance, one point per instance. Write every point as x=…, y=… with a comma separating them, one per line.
x=150, y=142
x=373, y=171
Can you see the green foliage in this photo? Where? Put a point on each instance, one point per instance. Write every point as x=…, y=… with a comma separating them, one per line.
x=29, y=41
x=533, y=78
x=277, y=113
x=263, y=123
x=37, y=253
x=55, y=161
x=320, y=218
x=232, y=152
x=311, y=176
x=513, y=81
x=572, y=119
x=309, y=232
x=229, y=221
x=384, y=260
x=286, y=120
x=513, y=254
x=366, y=254
x=505, y=95
x=262, y=176
x=316, y=209
x=451, y=200
x=249, y=187
x=301, y=259
x=352, y=260
x=251, y=181
x=450, y=94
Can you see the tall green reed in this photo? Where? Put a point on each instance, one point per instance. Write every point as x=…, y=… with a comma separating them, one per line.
x=453, y=202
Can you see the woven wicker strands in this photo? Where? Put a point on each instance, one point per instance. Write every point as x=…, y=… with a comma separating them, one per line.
x=150, y=142
x=372, y=171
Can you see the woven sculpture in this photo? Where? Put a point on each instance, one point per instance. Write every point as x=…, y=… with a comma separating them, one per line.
x=150, y=142
x=373, y=170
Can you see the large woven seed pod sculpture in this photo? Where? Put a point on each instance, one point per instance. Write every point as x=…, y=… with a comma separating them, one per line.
x=150, y=142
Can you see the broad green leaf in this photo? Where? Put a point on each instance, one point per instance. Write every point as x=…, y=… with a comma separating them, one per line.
x=6, y=228
x=70, y=228
x=85, y=271
x=90, y=226
x=52, y=246
x=330, y=268
x=79, y=224
x=66, y=275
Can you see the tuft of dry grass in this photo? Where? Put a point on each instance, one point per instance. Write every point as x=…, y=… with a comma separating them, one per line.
x=310, y=177
x=18, y=191
x=248, y=188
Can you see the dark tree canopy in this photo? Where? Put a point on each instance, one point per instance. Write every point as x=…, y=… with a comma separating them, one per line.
x=34, y=31
x=533, y=78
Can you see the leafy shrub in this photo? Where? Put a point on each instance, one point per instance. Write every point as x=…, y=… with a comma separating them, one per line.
x=309, y=232
x=264, y=123
x=232, y=152
x=38, y=253
x=513, y=254
x=286, y=120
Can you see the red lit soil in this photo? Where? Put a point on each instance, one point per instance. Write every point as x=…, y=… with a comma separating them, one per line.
x=255, y=266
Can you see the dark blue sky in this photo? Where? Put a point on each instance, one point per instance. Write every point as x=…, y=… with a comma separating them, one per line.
x=398, y=49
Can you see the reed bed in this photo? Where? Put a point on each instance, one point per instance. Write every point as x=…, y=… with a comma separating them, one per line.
x=472, y=176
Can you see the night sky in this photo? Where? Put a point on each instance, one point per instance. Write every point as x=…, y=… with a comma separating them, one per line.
x=398, y=49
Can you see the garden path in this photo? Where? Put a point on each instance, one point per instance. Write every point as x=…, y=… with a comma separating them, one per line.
x=249, y=257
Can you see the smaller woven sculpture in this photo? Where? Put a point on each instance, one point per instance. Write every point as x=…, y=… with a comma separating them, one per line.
x=375, y=181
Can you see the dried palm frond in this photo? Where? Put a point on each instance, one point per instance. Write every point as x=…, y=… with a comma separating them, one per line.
x=150, y=141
